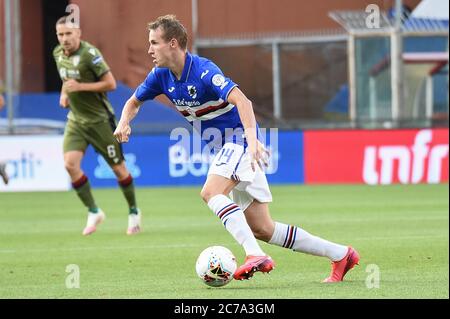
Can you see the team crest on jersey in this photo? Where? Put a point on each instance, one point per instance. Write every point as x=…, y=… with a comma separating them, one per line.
x=75, y=60
x=192, y=91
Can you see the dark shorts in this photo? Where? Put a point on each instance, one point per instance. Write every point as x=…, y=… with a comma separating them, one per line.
x=77, y=137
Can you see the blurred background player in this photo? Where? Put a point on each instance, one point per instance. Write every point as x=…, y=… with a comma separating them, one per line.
x=86, y=79
x=3, y=173
x=202, y=93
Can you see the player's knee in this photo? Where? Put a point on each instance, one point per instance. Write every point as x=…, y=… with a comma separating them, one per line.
x=71, y=167
x=206, y=194
x=263, y=232
x=120, y=171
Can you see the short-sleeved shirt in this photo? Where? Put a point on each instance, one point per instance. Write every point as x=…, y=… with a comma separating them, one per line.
x=86, y=65
x=201, y=94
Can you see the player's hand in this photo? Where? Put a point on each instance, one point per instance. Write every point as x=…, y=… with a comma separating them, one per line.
x=122, y=132
x=64, y=100
x=259, y=155
x=71, y=86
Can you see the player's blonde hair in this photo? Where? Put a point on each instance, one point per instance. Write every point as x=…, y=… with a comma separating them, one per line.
x=172, y=29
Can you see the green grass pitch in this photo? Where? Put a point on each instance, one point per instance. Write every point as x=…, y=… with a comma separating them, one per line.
x=403, y=231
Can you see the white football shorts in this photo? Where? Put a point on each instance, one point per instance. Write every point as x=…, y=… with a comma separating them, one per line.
x=233, y=162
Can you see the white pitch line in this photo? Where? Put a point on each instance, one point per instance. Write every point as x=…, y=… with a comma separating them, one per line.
x=164, y=246
x=399, y=237
x=99, y=248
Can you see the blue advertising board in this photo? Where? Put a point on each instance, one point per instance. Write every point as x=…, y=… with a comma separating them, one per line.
x=156, y=160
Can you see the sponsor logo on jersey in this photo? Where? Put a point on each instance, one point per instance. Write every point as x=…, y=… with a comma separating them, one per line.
x=183, y=102
x=73, y=74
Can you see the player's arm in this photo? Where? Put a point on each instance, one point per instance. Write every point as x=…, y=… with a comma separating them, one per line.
x=130, y=110
x=245, y=109
x=63, y=98
x=106, y=83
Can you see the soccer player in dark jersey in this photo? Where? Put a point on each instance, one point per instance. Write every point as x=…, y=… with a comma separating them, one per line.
x=86, y=79
x=202, y=93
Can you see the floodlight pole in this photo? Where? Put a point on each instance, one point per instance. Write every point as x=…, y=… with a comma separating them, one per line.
x=352, y=77
x=397, y=62
x=277, y=112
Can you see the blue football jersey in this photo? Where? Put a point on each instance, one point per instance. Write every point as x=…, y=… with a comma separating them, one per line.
x=200, y=95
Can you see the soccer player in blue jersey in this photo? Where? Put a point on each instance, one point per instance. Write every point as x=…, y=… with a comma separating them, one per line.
x=202, y=93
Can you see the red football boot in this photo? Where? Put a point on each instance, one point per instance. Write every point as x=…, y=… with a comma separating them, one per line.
x=253, y=264
x=341, y=267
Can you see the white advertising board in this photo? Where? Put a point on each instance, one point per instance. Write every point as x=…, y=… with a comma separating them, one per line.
x=33, y=163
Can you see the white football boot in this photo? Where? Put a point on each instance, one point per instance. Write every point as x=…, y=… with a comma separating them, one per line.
x=134, y=223
x=94, y=219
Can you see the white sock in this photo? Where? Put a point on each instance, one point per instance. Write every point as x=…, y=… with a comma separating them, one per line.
x=234, y=221
x=297, y=239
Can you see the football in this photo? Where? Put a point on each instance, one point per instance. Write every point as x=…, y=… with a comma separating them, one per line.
x=216, y=266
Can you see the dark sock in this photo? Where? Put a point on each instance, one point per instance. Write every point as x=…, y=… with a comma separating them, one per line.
x=127, y=187
x=83, y=189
